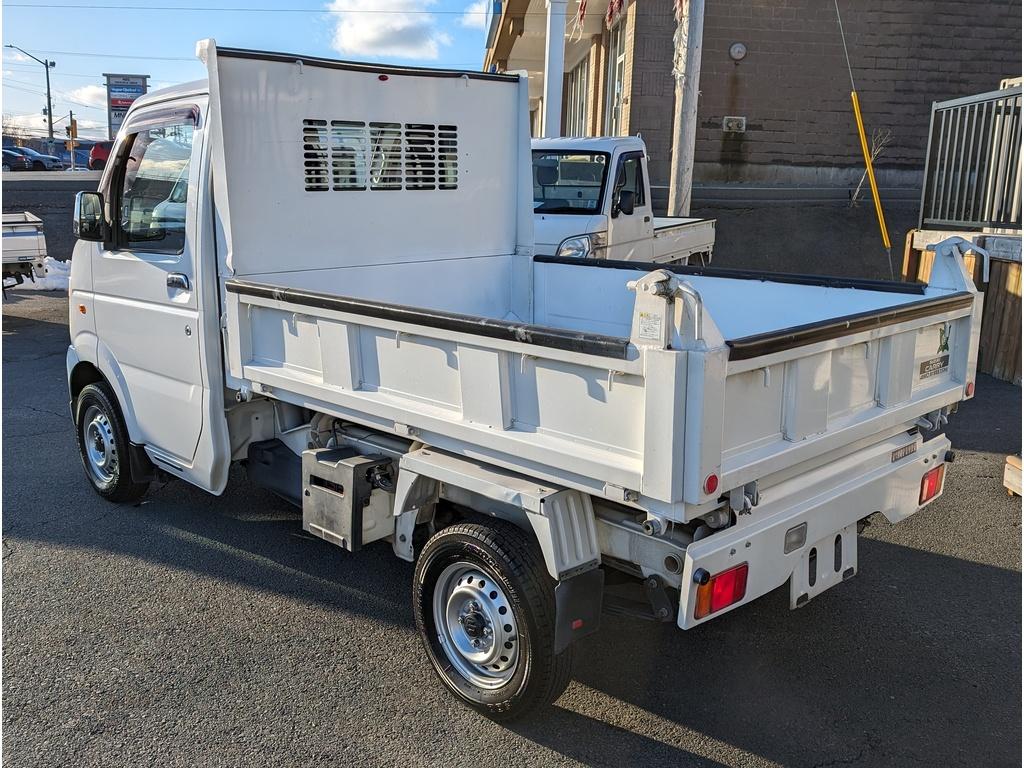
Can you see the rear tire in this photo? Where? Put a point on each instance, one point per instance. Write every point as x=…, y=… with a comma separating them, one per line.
x=103, y=445
x=485, y=609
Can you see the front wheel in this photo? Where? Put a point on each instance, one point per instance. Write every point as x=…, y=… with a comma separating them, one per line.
x=103, y=443
x=485, y=609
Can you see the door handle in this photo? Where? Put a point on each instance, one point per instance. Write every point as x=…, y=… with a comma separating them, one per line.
x=177, y=280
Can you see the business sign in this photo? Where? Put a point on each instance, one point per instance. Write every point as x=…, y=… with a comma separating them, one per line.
x=122, y=90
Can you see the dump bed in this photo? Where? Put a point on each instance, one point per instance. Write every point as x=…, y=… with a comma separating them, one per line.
x=419, y=310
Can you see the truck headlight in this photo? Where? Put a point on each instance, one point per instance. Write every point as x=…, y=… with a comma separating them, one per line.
x=574, y=247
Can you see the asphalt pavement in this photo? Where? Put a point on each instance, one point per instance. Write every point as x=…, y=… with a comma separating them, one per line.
x=211, y=631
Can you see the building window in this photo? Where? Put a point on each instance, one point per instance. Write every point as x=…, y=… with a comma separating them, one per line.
x=615, y=79
x=576, y=101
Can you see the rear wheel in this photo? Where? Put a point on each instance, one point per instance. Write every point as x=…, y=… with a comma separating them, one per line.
x=103, y=444
x=485, y=609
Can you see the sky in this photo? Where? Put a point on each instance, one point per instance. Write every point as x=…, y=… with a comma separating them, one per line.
x=158, y=37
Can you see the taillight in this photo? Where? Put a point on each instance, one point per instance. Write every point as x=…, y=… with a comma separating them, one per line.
x=720, y=591
x=931, y=483
x=711, y=484
x=969, y=389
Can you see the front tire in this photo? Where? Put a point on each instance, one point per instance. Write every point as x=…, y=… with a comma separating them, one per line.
x=103, y=445
x=485, y=609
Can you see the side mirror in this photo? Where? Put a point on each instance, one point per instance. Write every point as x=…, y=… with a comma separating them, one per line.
x=625, y=202
x=88, y=223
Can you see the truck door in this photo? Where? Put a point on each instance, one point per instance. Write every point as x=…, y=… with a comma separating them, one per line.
x=146, y=306
x=630, y=234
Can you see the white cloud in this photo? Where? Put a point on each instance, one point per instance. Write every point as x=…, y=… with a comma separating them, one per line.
x=475, y=15
x=35, y=125
x=398, y=28
x=94, y=95
x=12, y=55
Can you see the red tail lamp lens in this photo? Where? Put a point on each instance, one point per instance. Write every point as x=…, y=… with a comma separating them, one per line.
x=970, y=389
x=931, y=483
x=711, y=483
x=722, y=590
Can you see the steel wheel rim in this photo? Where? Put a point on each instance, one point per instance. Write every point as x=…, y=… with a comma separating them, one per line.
x=476, y=626
x=100, y=447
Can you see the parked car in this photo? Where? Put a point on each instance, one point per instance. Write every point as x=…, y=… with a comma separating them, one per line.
x=98, y=155
x=39, y=161
x=15, y=162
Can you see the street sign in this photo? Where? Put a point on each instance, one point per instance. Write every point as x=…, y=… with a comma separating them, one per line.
x=122, y=90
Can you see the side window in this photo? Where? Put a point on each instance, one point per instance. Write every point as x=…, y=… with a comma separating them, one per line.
x=631, y=178
x=154, y=190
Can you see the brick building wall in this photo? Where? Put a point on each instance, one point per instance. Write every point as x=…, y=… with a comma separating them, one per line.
x=794, y=90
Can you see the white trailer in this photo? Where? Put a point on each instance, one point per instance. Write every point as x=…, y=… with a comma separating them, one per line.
x=325, y=270
x=592, y=199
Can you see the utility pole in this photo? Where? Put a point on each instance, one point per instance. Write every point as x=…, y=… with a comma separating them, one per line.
x=72, y=137
x=47, y=65
x=686, y=70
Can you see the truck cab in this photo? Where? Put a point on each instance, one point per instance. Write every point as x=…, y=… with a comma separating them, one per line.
x=592, y=199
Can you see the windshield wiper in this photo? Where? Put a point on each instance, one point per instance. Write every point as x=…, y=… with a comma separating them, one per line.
x=560, y=209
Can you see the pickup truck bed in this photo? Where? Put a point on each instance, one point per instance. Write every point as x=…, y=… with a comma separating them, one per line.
x=679, y=239
x=24, y=246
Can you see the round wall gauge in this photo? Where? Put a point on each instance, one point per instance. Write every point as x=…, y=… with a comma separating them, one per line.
x=737, y=51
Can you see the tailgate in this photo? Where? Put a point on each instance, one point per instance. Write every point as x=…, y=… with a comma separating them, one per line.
x=676, y=239
x=23, y=239
x=796, y=394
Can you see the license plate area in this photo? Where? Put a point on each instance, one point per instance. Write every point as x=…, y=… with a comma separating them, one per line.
x=824, y=564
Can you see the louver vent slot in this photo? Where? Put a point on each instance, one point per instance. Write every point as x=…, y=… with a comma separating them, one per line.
x=345, y=155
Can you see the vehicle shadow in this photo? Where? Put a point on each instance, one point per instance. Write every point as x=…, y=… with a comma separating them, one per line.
x=917, y=638
x=598, y=743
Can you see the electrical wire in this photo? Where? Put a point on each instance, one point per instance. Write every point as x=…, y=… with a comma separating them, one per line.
x=249, y=9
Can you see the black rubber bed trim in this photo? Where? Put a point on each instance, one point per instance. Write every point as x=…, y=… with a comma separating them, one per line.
x=801, y=335
x=825, y=281
x=543, y=336
x=358, y=66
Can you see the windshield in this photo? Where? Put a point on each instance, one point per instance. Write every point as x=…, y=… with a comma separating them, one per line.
x=568, y=182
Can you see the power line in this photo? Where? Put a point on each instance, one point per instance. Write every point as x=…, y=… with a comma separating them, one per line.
x=116, y=55
x=337, y=11
x=62, y=95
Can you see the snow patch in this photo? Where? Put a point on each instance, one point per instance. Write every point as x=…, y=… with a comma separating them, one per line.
x=56, y=275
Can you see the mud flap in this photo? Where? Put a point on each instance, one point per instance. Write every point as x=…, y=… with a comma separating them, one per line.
x=578, y=607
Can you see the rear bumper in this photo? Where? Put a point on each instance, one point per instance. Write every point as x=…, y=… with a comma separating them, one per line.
x=828, y=500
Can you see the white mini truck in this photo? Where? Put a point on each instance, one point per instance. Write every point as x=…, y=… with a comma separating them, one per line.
x=592, y=199
x=324, y=270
